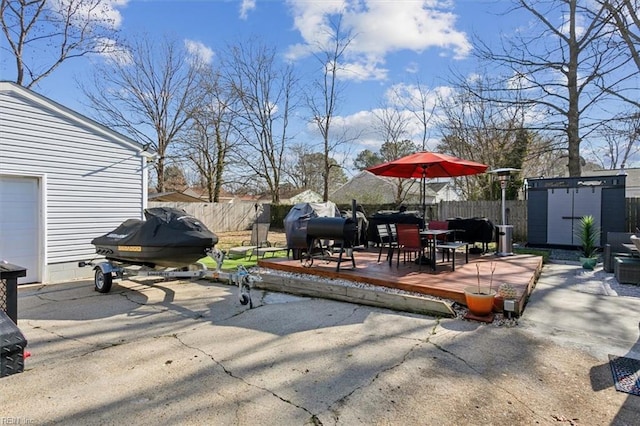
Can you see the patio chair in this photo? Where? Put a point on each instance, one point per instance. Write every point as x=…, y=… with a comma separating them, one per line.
x=273, y=249
x=441, y=225
x=615, y=248
x=259, y=233
x=386, y=240
x=409, y=243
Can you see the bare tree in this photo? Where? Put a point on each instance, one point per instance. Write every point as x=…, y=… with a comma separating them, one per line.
x=392, y=125
x=627, y=22
x=147, y=95
x=210, y=136
x=324, y=100
x=484, y=131
x=622, y=137
x=565, y=69
x=421, y=103
x=42, y=35
x=306, y=169
x=265, y=92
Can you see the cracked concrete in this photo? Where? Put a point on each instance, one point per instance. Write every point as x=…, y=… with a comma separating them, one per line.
x=188, y=352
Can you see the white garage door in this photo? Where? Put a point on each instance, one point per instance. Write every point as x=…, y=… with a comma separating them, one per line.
x=19, y=220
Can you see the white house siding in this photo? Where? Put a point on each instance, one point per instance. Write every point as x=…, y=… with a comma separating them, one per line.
x=94, y=178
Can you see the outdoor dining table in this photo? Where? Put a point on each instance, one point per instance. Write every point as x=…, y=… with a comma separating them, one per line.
x=432, y=241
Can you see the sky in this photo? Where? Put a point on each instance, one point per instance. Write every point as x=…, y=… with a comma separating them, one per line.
x=396, y=44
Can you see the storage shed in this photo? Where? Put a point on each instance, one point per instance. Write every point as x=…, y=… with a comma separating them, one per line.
x=64, y=179
x=555, y=207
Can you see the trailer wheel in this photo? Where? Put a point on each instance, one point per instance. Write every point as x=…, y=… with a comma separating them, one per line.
x=103, y=281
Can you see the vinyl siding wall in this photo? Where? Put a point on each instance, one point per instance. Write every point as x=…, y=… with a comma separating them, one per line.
x=93, y=181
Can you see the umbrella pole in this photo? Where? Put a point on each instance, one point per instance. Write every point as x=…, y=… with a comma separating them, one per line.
x=424, y=194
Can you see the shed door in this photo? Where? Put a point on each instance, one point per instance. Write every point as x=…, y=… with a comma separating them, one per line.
x=19, y=224
x=560, y=216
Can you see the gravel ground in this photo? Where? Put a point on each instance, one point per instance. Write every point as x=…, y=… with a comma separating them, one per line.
x=594, y=282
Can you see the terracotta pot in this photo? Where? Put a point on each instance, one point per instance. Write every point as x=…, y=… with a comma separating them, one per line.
x=498, y=303
x=479, y=301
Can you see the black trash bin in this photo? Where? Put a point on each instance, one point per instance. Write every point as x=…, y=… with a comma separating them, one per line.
x=9, y=275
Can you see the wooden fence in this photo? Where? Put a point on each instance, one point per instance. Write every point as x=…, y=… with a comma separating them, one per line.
x=632, y=215
x=516, y=213
x=219, y=217
x=224, y=217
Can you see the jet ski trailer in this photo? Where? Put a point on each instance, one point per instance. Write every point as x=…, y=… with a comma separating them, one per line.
x=106, y=271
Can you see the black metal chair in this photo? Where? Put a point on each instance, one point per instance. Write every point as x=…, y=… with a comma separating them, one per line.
x=386, y=240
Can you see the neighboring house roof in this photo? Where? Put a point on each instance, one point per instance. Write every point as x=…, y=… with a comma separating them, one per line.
x=294, y=196
x=174, y=197
x=632, y=181
x=437, y=186
x=306, y=196
x=367, y=188
x=7, y=86
x=224, y=197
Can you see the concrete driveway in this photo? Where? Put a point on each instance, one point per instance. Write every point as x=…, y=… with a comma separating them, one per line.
x=183, y=352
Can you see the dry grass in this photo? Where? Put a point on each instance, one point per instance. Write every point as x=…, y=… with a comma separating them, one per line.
x=236, y=238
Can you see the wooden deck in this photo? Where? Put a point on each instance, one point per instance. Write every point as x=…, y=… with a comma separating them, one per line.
x=521, y=271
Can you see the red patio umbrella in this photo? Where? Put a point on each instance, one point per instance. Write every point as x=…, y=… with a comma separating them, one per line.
x=425, y=165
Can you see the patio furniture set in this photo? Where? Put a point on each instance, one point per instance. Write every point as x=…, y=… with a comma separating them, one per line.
x=622, y=257
x=412, y=244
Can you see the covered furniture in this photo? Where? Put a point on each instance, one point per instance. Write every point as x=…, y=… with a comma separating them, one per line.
x=474, y=230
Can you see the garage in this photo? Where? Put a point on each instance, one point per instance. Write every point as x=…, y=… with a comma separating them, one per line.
x=19, y=224
x=64, y=180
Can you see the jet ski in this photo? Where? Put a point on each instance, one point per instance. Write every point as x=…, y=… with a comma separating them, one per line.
x=167, y=238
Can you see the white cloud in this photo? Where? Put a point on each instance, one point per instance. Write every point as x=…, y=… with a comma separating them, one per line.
x=362, y=71
x=412, y=68
x=414, y=97
x=246, y=7
x=378, y=28
x=199, y=51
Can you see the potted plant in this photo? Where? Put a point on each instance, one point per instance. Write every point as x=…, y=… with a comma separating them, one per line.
x=588, y=234
x=480, y=298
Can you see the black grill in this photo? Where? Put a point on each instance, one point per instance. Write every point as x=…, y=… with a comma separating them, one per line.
x=332, y=228
x=342, y=231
